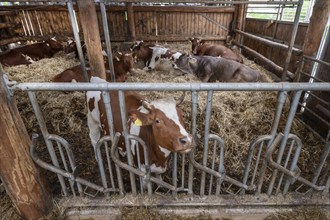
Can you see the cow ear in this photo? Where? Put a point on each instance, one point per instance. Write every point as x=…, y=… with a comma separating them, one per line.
x=117, y=58
x=192, y=60
x=139, y=118
x=202, y=42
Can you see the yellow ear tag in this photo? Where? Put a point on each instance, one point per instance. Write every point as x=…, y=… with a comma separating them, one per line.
x=138, y=122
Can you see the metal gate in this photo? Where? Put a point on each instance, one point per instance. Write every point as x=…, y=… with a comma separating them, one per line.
x=270, y=167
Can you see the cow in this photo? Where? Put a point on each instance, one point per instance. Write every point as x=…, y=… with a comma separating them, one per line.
x=122, y=63
x=41, y=50
x=200, y=47
x=212, y=69
x=14, y=58
x=158, y=123
x=150, y=53
x=72, y=47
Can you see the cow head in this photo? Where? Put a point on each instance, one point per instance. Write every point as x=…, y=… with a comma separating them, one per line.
x=55, y=45
x=166, y=123
x=123, y=63
x=184, y=63
x=195, y=44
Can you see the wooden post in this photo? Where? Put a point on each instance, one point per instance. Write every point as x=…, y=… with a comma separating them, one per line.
x=315, y=31
x=131, y=21
x=19, y=174
x=88, y=19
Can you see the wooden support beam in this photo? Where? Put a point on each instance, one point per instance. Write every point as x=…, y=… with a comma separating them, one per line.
x=88, y=19
x=131, y=21
x=6, y=25
x=265, y=61
x=18, y=172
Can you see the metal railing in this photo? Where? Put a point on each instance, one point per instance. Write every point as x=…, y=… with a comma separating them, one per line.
x=271, y=161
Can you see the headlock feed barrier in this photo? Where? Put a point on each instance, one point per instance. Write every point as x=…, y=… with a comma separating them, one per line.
x=270, y=167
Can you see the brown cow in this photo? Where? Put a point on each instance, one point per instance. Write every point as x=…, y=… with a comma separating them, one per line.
x=14, y=58
x=122, y=63
x=151, y=53
x=39, y=51
x=200, y=47
x=158, y=123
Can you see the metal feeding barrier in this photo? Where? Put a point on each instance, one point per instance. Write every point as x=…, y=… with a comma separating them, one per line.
x=211, y=171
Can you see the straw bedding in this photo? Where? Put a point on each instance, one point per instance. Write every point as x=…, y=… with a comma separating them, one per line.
x=237, y=117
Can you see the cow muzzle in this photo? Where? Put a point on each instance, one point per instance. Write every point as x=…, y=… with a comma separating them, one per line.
x=187, y=143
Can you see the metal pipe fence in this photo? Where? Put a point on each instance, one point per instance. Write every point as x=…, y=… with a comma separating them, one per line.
x=271, y=166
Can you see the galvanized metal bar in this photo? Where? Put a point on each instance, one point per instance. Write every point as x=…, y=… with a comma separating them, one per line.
x=27, y=25
x=327, y=123
x=292, y=40
x=99, y=160
x=194, y=103
x=107, y=40
x=175, y=173
x=206, y=135
x=232, y=2
x=74, y=26
x=69, y=153
x=327, y=187
x=118, y=170
x=183, y=171
x=253, y=145
x=122, y=105
x=221, y=168
x=282, y=95
x=107, y=154
x=134, y=170
x=279, y=183
x=294, y=162
x=212, y=166
x=316, y=60
x=287, y=172
x=323, y=158
x=284, y=86
x=45, y=134
x=59, y=171
x=287, y=129
x=262, y=144
x=108, y=111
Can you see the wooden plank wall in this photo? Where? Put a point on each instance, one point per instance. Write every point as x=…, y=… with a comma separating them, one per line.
x=152, y=23
x=265, y=29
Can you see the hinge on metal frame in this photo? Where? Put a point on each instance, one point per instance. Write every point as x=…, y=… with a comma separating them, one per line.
x=9, y=84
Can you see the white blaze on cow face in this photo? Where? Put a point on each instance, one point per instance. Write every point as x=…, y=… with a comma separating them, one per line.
x=157, y=52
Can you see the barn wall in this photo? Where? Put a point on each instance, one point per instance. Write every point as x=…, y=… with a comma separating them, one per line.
x=152, y=23
x=265, y=29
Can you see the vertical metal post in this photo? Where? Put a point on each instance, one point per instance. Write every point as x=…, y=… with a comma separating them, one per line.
x=293, y=38
x=287, y=129
x=77, y=39
x=194, y=101
x=107, y=40
x=108, y=110
x=127, y=142
x=44, y=131
x=206, y=137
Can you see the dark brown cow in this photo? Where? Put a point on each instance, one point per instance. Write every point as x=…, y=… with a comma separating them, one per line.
x=200, y=47
x=14, y=58
x=39, y=51
x=150, y=53
x=212, y=69
x=72, y=47
x=158, y=123
x=122, y=63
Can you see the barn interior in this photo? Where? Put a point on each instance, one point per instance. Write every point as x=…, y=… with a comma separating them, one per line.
x=262, y=148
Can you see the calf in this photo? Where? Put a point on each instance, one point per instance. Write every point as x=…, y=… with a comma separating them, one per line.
x=158, y=123
x=39, y=51
x=211, y=69
x=150, y=53
x=200, y=48
x=14, y=58
x=72, y=47
x=122, y=63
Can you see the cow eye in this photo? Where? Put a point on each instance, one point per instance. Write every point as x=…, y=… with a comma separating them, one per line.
x=157, y=121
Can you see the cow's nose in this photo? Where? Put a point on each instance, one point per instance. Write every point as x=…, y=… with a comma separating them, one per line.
x=184, y=140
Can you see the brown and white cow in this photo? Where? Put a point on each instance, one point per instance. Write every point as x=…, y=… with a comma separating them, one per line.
x=151, y=53
x=212, y=69
x=39, y=51
x=158, y=123
x=123, y=63
x=200, y=47
x=14, y=58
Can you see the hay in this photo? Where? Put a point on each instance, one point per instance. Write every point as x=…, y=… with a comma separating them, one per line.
x=237, y=117
x=300, y=214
